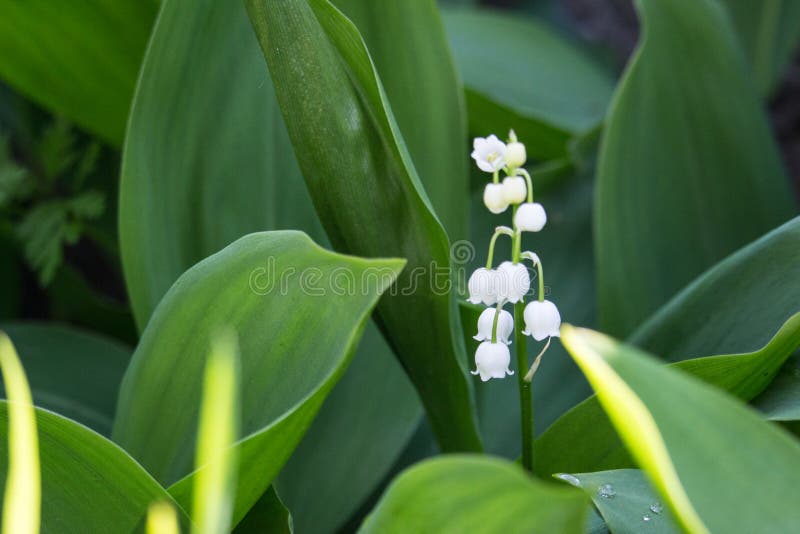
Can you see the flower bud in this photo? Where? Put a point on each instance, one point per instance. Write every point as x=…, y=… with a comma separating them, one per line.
x=505, y=326
x=530, y=217
x=482, y=286
x=515, y=155
x=542, y=320
x=513, y=281
x=491, y=360
x=514, y=189
x=489, y=153
x=495, y=199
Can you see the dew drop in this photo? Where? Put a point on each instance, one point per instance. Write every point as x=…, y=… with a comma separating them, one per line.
x=570, y=479
x=606, y=491
x=656, y=508
x=646, y=518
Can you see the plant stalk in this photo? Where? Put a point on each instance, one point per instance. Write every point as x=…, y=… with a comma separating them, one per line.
x=525, y=397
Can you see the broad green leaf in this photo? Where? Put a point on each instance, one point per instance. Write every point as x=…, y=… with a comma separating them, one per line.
x=565, y=247
x=72, y=372
x=22, y=495
x=80, y=60
x=781, y=400
x=89, y=484
x=688, y=173
x=192, y=182
x=368, y=194
x=770, y=32
x=680, y=432
x=358, y=434
x=215, y=460
x=626, y=501
x=521, y=74
x=425, y=95
x=734, y=306
x=273, y=288
x=198, y=200
x=584, y=439
x=463, y=493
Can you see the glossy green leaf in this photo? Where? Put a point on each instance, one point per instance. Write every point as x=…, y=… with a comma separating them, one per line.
x=626, y=501
x=358, y=434
x=72, y=372
x=431, y=114
x=781, y=400
x=584, y=439
x=79, y=60
x=520, y=74
x=770, y=32
x=680, y=432
x=368, y=194
x=736, y=306
x=273, y=288
x=463, y=493
x=192, y=182
x=22, y=495
x=199, y=200
x=89, y=484
x=681, y=160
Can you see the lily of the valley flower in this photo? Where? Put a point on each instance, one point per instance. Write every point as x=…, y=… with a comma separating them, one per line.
x=489, y=153
x=494, y=197
x=530, y=217
x=492, y=360
x=483, y=286
x=513, y=281
x=514, y=189
x=542, y=320
x=515, y=152
x=505, y=326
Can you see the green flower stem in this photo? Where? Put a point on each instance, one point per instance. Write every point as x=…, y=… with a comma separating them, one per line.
x=500, y=230
x=541, y=280
x=494, y=323
x=496, y=177
x=525, y=397
x=516, y=239
x=528, y=179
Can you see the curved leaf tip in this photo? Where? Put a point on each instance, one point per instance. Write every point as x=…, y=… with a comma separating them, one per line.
x=590, y=350
x=22, y=497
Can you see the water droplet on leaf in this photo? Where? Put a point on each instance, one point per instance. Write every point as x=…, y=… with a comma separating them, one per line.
x=606, y=491
x=646, y=518
x=656, y=508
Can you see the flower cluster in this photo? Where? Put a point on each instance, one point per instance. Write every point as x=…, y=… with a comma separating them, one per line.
x=510, y=281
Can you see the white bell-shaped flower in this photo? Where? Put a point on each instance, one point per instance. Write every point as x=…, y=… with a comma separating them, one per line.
x=513, y=281
x=542, y=320
x=489, y=153
x=530, y=217
x=494, y=197
x=483, y=286
x=505, y=326
x=492, y=360
x=516, y=155
x=514, y=189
